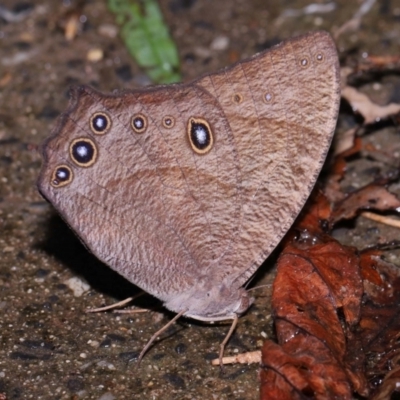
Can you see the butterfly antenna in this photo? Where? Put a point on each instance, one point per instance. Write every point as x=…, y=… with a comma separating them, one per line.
x=259, y=287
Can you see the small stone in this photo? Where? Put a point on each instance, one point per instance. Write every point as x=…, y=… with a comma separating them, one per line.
x=220, y=43
x=42, y=273
x=93, y=343
x=116, y=337
x=107, y=396
x=129, y=356
x=175, y=380
x=75, y=384
x=108, y=30
x=180, y=348
x=95, y=55
x=106, y=365
x=124, y=72
x=106, y=343
x=77, y=285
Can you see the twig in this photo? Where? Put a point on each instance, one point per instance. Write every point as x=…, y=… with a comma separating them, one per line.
x=382, y=219
x=250, y=357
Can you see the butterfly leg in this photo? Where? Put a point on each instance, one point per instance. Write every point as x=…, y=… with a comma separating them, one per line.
x=227, y=337
x=115, y=305
x=158, y=333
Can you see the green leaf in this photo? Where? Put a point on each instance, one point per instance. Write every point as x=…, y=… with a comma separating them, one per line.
x=147, y=38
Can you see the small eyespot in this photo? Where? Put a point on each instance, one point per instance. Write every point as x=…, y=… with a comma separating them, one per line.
x=237, y=98
x=304, y=62
x=200, y=135
x=139, y=123
x=61, y=176
x=168, y=122
x=100, y=123
x=267, y=97
x=83, y=152
x=320, y=57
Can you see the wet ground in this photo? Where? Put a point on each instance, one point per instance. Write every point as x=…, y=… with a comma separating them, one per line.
x=52, y=349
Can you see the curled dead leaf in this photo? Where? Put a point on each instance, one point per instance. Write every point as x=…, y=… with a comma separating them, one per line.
x=373, y=196
x=370, y=111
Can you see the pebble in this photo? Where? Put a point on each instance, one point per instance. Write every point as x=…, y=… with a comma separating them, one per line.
x=95, y=55
x=107, y=396
x=77, y=285
x=106, y=364
x=220, y=43
x=108, y=30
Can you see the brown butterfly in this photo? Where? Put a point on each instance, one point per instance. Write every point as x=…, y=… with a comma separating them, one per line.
x=186, y=189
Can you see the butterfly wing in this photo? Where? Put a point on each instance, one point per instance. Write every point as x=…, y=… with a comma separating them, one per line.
x=282, y=106
x=186, y=189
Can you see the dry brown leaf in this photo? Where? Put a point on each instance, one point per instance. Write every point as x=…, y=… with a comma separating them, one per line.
x=383, y=62
x=373, y=196
x=337, y=318
x=370, y=111
x=344, y=141
x=389, y=386
x=332, y=189
x=335, y=310
x=315, y=284
x=379, y=327
x=5, y=79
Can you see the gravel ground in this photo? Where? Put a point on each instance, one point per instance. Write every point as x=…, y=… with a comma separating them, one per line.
x=52, y=349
